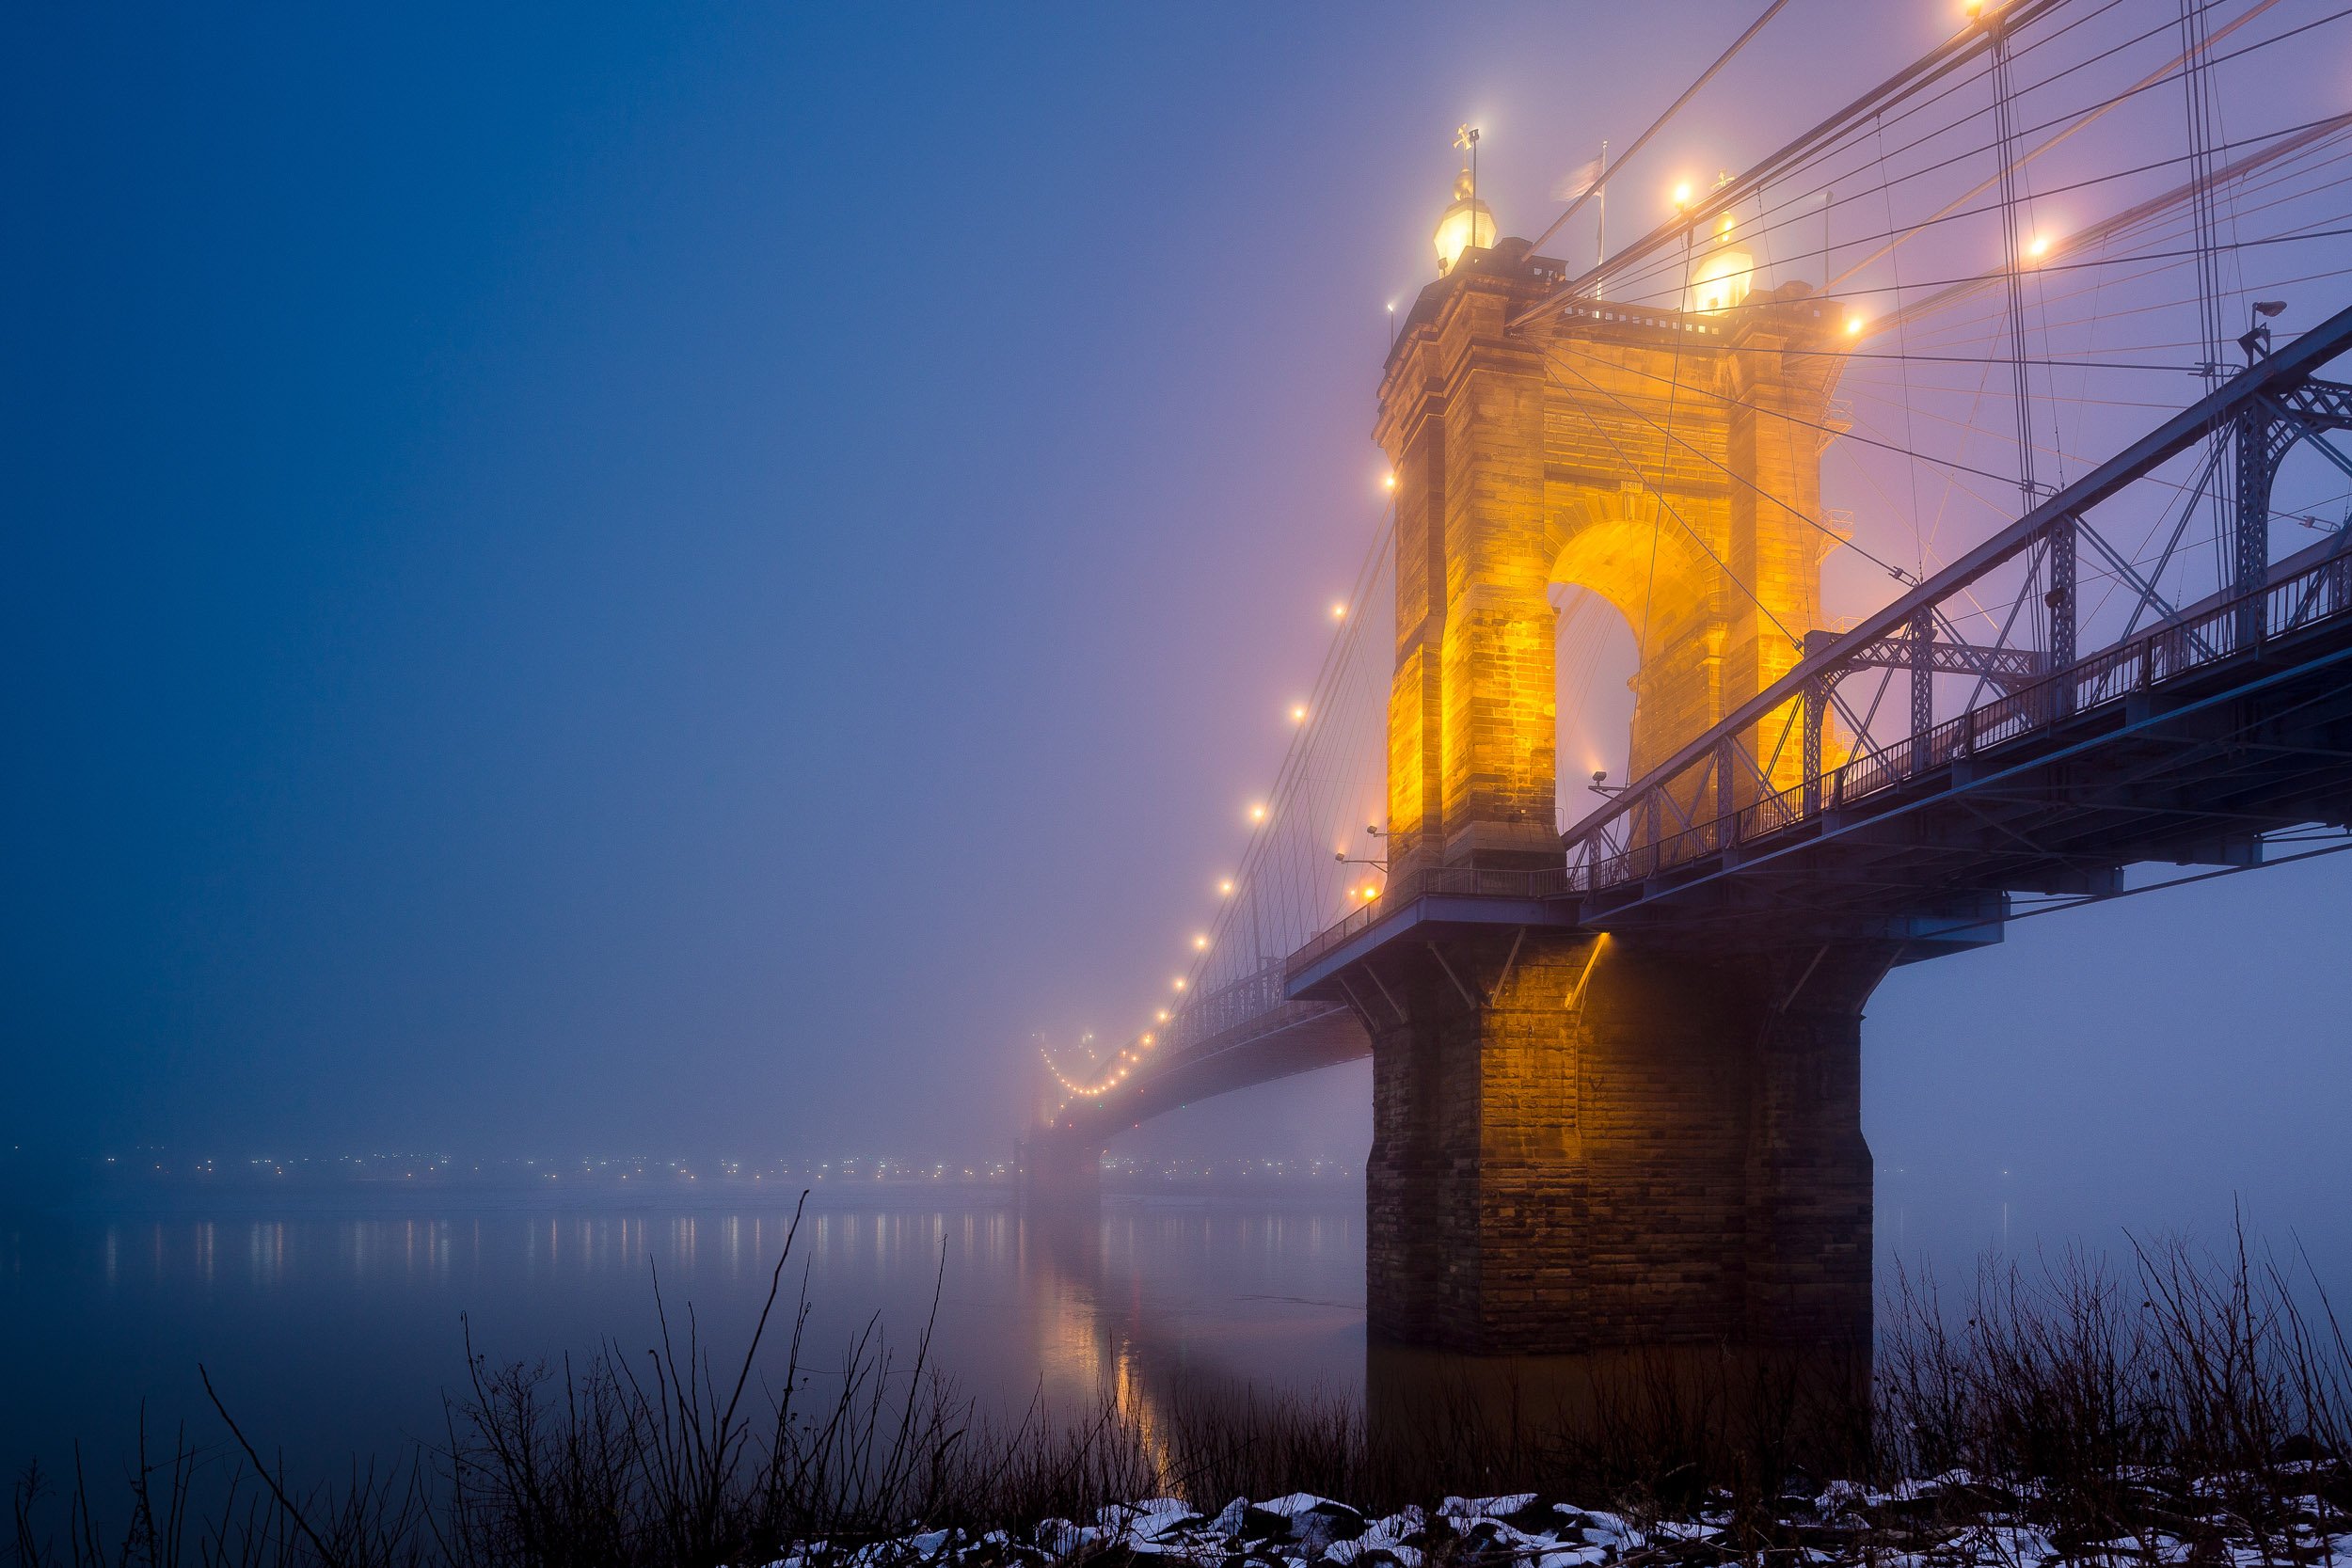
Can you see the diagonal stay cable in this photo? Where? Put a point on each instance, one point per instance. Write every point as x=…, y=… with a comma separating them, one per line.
x=1659, y=123
x=1675, y=513
x=1897, y=573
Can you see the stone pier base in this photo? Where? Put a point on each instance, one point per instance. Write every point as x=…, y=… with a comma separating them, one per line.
x=1058, y=1173
x=1581, y=1142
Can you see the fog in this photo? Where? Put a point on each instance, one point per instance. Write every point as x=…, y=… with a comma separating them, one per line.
x=619, y=582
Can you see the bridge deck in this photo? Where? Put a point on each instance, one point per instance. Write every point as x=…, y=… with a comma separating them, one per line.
x=1287, y=1038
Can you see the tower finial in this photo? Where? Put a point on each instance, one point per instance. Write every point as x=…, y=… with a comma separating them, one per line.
x=1468, y=222
x=1466, y=138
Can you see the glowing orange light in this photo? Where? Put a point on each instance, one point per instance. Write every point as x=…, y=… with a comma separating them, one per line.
x=1257, y=813
x=1298, y=713
x=1387, y=482
x=1200, y=944
x=1163, y=1018
x=1225, y=887
x=1682, y=195
x=2037, y=246
x=1853, y=326
x=1338, y=612
x=1180, y=982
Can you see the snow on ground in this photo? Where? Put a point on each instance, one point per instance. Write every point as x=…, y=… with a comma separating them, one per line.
x=1947, y=1521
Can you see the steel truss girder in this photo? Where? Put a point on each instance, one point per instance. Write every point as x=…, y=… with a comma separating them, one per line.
x=2001, y=666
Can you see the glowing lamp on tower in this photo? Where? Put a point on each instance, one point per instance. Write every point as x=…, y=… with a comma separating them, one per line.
x=1468, y=224
x=1722, y=282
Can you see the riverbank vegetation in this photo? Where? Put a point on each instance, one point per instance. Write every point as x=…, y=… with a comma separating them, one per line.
x=2185, y=1406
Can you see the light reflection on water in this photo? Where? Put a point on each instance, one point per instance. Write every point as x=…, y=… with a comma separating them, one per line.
x=333, y=1330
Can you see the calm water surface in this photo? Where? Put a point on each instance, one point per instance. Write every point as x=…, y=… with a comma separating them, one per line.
x=331, y=1322
x=332, y=1326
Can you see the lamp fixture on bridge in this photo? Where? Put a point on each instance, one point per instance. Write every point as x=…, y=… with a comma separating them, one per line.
x=1853, y=326
x=2256, y=333
x=1163, y=1020
x=1200, y=944
x=1298, y=713
x=2037, y=247
x=1600, y=785
x=1387, y=480
x=1467, y=224
x=1180, y=982
x=1256, y=812
x=1225, y=888
x=1338, y=612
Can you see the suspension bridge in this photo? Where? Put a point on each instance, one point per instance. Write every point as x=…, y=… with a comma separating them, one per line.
x=2078, y=628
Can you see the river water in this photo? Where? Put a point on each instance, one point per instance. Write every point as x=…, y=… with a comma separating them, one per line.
x=332, y=1321
x=332, y=1325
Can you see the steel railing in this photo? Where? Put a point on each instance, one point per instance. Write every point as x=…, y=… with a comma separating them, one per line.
x=2319, y=592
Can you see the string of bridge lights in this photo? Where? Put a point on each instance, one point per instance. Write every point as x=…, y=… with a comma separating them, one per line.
x=1258, y=813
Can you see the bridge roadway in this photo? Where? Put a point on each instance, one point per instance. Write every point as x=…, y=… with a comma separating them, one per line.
x=2184, y=744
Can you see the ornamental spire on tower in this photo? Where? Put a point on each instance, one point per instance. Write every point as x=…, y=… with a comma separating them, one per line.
x=1468, y=223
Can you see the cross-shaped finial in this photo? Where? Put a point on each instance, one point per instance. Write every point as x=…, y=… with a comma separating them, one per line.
x=1466, y=136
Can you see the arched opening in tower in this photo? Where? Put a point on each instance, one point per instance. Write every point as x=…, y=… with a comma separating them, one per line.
x=1594, y=664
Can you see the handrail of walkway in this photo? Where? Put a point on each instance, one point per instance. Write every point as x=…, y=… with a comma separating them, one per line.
x=1462, y=882
x=2319, y=592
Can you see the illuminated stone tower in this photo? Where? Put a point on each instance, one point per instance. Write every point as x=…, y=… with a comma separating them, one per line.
x=1665, y=459
x=1585, y=1141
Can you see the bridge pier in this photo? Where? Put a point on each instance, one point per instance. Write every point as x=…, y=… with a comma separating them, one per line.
x=1058, y=1171
x=1581, y=1142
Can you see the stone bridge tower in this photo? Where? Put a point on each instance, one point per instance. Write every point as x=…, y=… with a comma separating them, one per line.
x=1665, y=459
x=1585, y=1141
